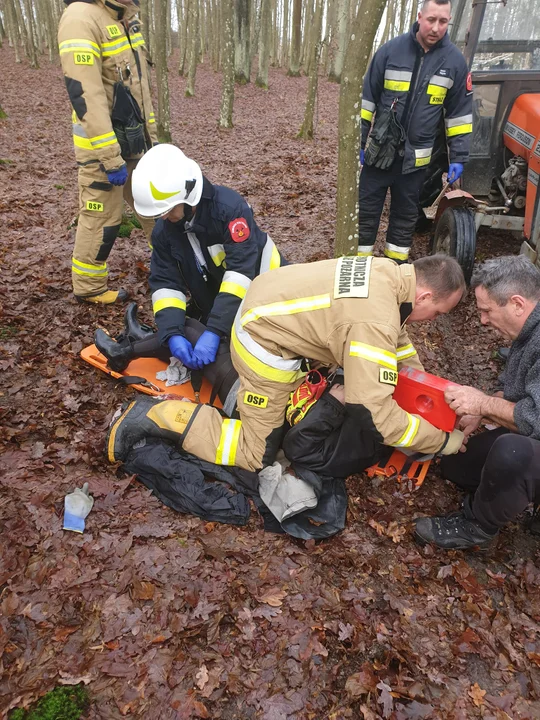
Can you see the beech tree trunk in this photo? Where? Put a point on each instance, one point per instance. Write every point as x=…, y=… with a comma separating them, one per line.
x=193, y=46
x=146, y=24
x=242, y=38
x=361, y=38
x=12, y=26
x=342, y=24
x=183, y=33
x=294, y=66
x=227, y=94
x=284, y=58
x=162, y=72
x=306, y=130
x=264, y=45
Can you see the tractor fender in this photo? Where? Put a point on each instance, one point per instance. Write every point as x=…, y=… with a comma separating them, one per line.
x=455, y=198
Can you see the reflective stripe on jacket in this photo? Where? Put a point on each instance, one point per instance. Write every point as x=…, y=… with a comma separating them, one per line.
x=348, y=312
x=424, y=86
x=101, y=44
x=202, y=259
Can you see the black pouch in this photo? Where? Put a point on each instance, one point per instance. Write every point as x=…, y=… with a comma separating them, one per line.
x=385, y=139
x=128, y=122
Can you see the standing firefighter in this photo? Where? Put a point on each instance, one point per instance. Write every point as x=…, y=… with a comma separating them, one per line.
x=105, y=70
x=412, y=81
x=350, y=312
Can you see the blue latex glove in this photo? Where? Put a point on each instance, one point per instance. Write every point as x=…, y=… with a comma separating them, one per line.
x=454, y=172
x=77, y=505
x=182, y=349
x=205, y=349
x=118, y=177
x=361, y=156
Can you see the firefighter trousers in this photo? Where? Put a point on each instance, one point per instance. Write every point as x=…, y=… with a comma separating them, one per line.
x=100, y=215
x=252, y=441
x=404, y=193
x=501, y=470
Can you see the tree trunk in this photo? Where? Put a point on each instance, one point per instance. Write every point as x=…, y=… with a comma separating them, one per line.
x=242, y=37
x=162, y=72
x=12, y=27
x=306, y=131
x=306, y=35
x=193, y=46
x=216, y=36
x=264, y=46
x=184, y=42
x=294, y=66
x=202, y=31
x=227, y=93
x=358, y=50
x=342, y=24
x=145, y=21
x=255, y=29
x=284, y=58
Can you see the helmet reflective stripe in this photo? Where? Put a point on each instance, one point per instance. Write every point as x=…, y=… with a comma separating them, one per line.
x=165, y=177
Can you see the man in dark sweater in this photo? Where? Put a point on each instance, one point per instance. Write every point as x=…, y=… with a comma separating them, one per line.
x=500, y=468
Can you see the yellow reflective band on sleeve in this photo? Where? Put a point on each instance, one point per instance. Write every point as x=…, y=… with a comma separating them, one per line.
x=366, y=115
x=275, y=259
x=233, y=289
x=115, y=47
x=217, y=253
x=152, y=118
x=78, y=45
x=373, y=354
x=137, y=40
x=459, y=130
x=261, y=368
x=168, y=298
x=395, y=254
x=81, y=142
x=405, y=351
x=288, y=307
x=397, y=85
x=437, y=90
x=228, y=442
x=89, y=270
x=410, y=433
x=103, y=140
x=421, y=161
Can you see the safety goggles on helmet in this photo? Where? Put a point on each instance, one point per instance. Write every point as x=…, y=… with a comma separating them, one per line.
x=165, y=177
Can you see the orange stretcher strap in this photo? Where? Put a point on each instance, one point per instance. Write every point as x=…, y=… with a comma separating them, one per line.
x=402, y=468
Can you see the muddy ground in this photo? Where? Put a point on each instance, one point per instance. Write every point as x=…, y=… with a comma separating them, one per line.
x=165, y=616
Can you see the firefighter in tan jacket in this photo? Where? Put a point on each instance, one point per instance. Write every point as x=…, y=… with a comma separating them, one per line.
x=105, y=69
x=350, y=312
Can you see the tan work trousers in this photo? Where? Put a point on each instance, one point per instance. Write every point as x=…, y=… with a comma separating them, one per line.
x=100, y=215
x=252, y=441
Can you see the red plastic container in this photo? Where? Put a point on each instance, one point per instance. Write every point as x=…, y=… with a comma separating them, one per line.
x=422, y=394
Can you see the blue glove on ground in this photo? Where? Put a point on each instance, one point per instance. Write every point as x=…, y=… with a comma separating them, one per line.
x=77, y=505
x=205, y=349
x=182, y=349
x=361, y=156
x=118, y=177
x=454, y=172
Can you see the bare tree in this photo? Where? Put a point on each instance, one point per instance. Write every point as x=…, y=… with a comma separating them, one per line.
x=146, y=23
x=264, y=46
x=12, y=27
x=193, y=46
x=306, y=131
x=294, y=65
x=342, y=23
x=183, y=34
x=227, y=94
x=162, y=72
x=242, y=38
x=357, y=54
x=285, y=34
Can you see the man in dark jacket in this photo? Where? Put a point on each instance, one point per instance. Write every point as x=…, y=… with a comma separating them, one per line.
x=412, y=82
x=206, y=243
x=500, y=468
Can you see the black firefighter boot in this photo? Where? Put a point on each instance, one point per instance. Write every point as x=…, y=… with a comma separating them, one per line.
x=118, y=354
x=133, y=329
x=148, y=417
x=456, y=531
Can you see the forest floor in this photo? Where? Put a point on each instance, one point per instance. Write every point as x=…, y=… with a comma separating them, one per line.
x=163, y=615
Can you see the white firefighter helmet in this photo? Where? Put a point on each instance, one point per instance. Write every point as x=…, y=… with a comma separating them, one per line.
x=165, y=177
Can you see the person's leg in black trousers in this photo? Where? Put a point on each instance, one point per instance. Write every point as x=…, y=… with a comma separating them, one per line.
x=374, y=184
x=405, y=194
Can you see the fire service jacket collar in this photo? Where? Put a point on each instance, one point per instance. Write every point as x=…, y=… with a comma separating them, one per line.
x=423, y=88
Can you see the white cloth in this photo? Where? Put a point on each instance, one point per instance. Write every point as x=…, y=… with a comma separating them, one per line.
x=284, y=494
x=175, y=374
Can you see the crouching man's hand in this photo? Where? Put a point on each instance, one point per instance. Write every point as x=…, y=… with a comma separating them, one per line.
x=465, y=400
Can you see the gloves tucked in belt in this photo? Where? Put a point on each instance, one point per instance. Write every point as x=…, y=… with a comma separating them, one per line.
x=118, y=177
x=205, y=349
x=182, y=349
x=77, y=505
x=454, y=172
x=454, y=443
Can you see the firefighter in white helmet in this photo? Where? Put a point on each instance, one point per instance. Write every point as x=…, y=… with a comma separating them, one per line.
x=205, y=244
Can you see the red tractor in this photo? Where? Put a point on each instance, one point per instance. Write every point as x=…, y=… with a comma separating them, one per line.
x=501, y=43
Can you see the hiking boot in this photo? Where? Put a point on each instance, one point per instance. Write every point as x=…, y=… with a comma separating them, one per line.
x=105, y=298
x=118, y=354
x=133, y=329
x=453, y=532
x=147, y=417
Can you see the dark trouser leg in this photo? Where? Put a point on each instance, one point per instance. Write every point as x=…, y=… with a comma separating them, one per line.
x=510, y=481
x=151, y=348
x=405, y=192
x=465, y=469
x=372, y=193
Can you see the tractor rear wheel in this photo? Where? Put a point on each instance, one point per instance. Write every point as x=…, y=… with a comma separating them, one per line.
x=455, y=235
